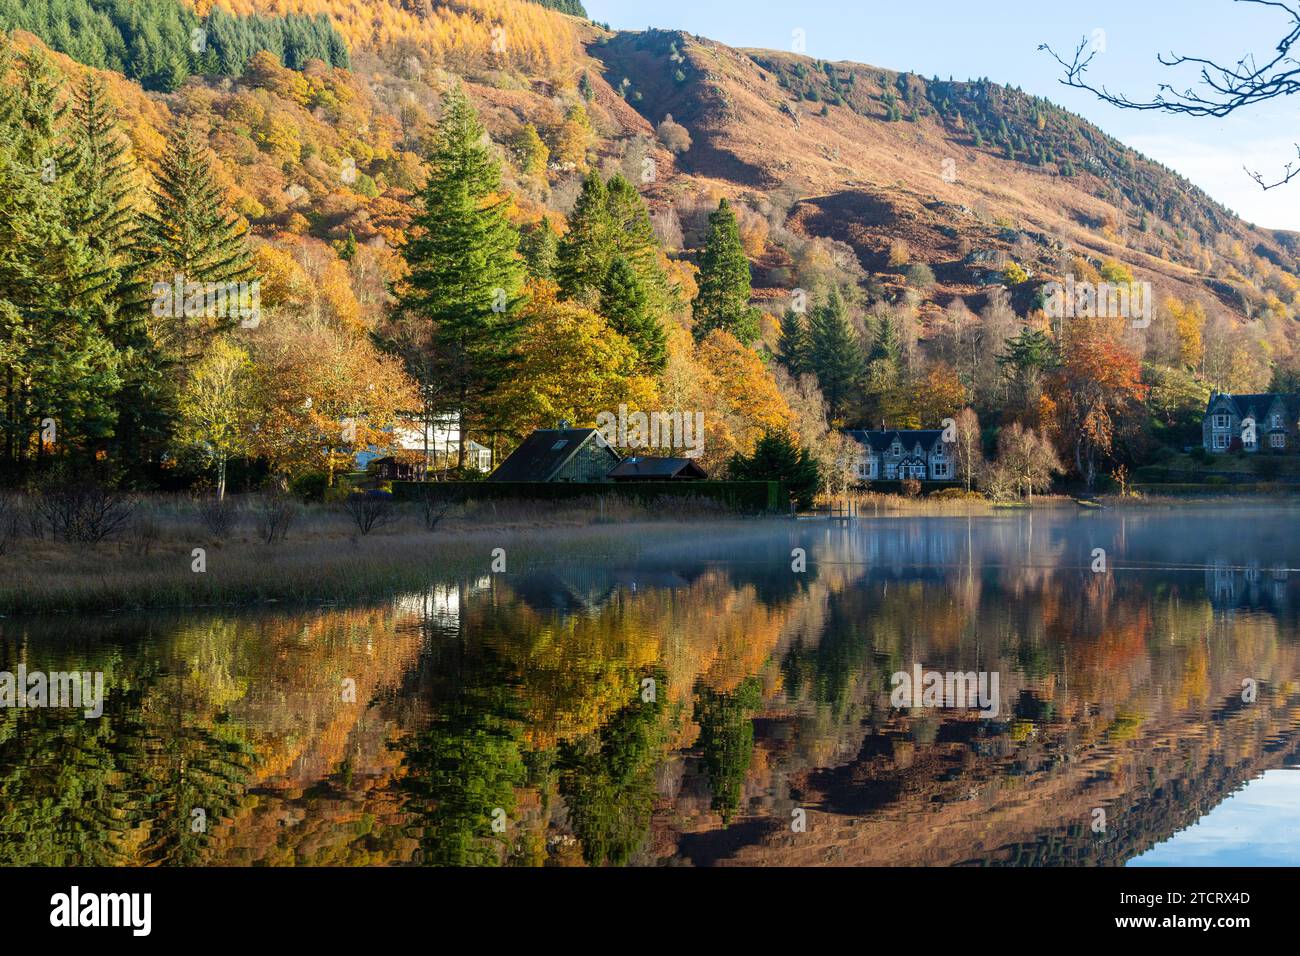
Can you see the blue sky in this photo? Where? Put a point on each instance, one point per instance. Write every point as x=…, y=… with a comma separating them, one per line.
x=1257, y=826
x=1000, y=40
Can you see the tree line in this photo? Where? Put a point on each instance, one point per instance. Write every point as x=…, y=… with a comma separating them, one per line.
x=161, y=43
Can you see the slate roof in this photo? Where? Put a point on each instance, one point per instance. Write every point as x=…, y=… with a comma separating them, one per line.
x=879, y=441
x=633, y=468
x=1257, y=405
x=544, y=453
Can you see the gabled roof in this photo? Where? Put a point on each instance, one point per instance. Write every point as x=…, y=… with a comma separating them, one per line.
x=657, y=468
x=545, y=452
x=907, y=437
x=1257, y=404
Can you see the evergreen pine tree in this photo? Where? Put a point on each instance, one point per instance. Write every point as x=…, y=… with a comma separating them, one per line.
x=836, y=354
x=192, y=237
x=793, y=346
x=539, y=245
x=778, y=457
x=724, y=282
x=465, y=273
x=625, y=303
x=587, y=249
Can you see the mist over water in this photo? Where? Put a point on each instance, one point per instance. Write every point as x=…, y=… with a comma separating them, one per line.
x=703, y=703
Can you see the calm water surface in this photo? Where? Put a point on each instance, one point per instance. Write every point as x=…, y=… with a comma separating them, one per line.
x=705, y=705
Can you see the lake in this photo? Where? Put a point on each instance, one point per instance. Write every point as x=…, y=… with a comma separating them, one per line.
x=730, y=698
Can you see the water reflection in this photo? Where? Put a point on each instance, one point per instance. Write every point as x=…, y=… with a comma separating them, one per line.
x=682, y=708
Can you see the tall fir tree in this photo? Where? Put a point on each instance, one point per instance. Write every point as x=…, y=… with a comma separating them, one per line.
x=836, y=354
x=105, y=208
x=587, y=249
x=792, y=348
x=192, y=236
x=539, y=245
x=725, y=282
x=465, y=275
x=59, y=369
x=624, y=302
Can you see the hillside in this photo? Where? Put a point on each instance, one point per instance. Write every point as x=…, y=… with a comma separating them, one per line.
x=932, y=211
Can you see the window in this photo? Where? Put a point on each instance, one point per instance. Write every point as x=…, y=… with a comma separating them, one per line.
x=559, y=444
x=864, y=468
x=1277, y=440
x=1222, y=420
x=1277, y=421
x=891, y=470
x=1220, y=442
x=916, y=471
x=871, y=468
x=942, y=469
x=896, y=449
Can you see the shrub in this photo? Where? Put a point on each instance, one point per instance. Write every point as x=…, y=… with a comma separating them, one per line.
x=81, y=511
x=1267, y=467
x=275, y=515
x=310, y=486
x=911, y=488
x=370, y=510
x=143, y=531
x=10, y=523
x=219, y=516
x=955, y=494
x=778, y=457
x=674, y=135
x=920, y=276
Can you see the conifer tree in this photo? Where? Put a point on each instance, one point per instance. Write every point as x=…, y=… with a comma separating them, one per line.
x=465, y=273
x=193, y=237
x=793, y=346
x=104, y=212
x=192, y=231
x=624, y=302
x=539, y=245
x=835, y=353
x=587, y=249
x=724, y=282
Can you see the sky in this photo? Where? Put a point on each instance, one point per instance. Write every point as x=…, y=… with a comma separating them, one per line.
x=1257, y=826
x=999, y=39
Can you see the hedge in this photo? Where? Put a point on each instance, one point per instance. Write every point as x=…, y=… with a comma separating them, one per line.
x=750, y=497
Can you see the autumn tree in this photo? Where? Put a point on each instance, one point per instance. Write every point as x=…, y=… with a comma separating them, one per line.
x=968, y=447
x=214, y=413
x=1096, y=396
x=1027, y=460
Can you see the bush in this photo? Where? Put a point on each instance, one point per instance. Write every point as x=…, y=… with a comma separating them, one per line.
x=371, y=510
x=143, y=531
x=778, y=457
x=275, y=515
x=1267, y=466
x=911, y=488
x=674, y=135
x=82, y=511
x=10, y=521
x=219, y=516
x=955, y=494
x=1200, y=455
x=310, y=486
x=920, y=276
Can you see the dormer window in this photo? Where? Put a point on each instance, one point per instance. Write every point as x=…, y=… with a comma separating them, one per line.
x=1222, y=420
